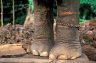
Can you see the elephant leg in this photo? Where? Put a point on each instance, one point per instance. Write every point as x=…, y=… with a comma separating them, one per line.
x=43, y=30
x=67, y=44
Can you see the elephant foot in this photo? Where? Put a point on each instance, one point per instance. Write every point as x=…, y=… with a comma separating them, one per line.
x=82, y=59
x=63, y=51
x=40, y=49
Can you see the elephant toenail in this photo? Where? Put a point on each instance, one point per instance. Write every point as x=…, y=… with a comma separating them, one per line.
x=62, y=57
x=35, y=52
x=52, y=56
x=44, y=54
x=74, y=57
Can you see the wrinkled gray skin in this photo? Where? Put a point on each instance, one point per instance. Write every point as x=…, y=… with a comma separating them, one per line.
x=67, y=43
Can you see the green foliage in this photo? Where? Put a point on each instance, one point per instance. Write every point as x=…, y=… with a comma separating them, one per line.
x=31, y=5
x=83, y=20
x=91, y=2
x=20, y=11
x=87, y=10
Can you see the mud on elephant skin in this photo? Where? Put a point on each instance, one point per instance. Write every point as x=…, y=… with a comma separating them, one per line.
x=67, y=44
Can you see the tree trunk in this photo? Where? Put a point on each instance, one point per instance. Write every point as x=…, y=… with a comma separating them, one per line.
x=1, y=13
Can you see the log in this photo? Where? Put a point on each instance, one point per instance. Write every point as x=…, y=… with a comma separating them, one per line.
x=17, y=55
x=11, y=49
x=36, y=60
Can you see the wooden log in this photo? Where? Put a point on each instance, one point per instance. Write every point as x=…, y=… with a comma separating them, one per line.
x=37, y=59
x=11, y=49
x=25, y=60
x=16, y=55
x=92, y=61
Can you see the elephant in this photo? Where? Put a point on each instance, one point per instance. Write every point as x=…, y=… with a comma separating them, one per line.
x=67, y=43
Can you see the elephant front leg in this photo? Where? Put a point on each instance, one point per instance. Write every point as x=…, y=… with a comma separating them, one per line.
x=43, y=30
x=67, y=44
